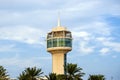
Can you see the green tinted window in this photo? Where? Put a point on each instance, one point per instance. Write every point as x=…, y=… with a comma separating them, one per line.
x=54, y=42
x=68, y=42
x=59, y=42
x=49, y=43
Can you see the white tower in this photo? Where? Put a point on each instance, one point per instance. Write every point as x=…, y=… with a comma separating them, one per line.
x=59, y=42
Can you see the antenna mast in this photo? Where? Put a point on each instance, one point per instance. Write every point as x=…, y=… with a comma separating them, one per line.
x=58, y=19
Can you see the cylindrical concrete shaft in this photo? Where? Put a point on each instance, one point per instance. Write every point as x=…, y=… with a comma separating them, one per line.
x=58, y=63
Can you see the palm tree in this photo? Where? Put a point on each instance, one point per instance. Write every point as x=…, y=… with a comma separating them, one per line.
x=74, y=72
x=52, y=76
x=30, y=74
x=3, y=74
x=96, y=77
x=61, y=77
x=23, y=76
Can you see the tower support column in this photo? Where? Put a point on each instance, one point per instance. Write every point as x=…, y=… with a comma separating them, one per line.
x=58, y=62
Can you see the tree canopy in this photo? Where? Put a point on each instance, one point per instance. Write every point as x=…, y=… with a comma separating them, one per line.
x=30, y=74
x=3, y=74
x=96, y=77
x=74, y=72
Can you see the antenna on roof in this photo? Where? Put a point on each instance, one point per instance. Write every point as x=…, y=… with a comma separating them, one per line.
x=58, y=19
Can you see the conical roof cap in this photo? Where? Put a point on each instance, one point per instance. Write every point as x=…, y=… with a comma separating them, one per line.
x=59, y=28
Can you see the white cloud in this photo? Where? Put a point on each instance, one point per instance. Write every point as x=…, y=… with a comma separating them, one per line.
x=91, y=35
x=104, y=39
x=27, y=4
x=83, y=9
x=24, y=34
x=18, y=62
x=90, y=9
x=102, y=28
x=93, y=29
x=81, y=35
x=89, y=18
x=24, y=62
x=114, y=45
x=7, y=48
x=110, y=43
x=85, y=49
x=80, y=5
x=104, y=51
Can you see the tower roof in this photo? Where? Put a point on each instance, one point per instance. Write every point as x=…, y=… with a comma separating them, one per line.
x=59, y=28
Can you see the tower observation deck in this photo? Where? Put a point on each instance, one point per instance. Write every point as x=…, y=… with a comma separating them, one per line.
x=59, y=42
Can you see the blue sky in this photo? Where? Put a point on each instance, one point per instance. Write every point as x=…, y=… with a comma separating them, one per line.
x=95, y=26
